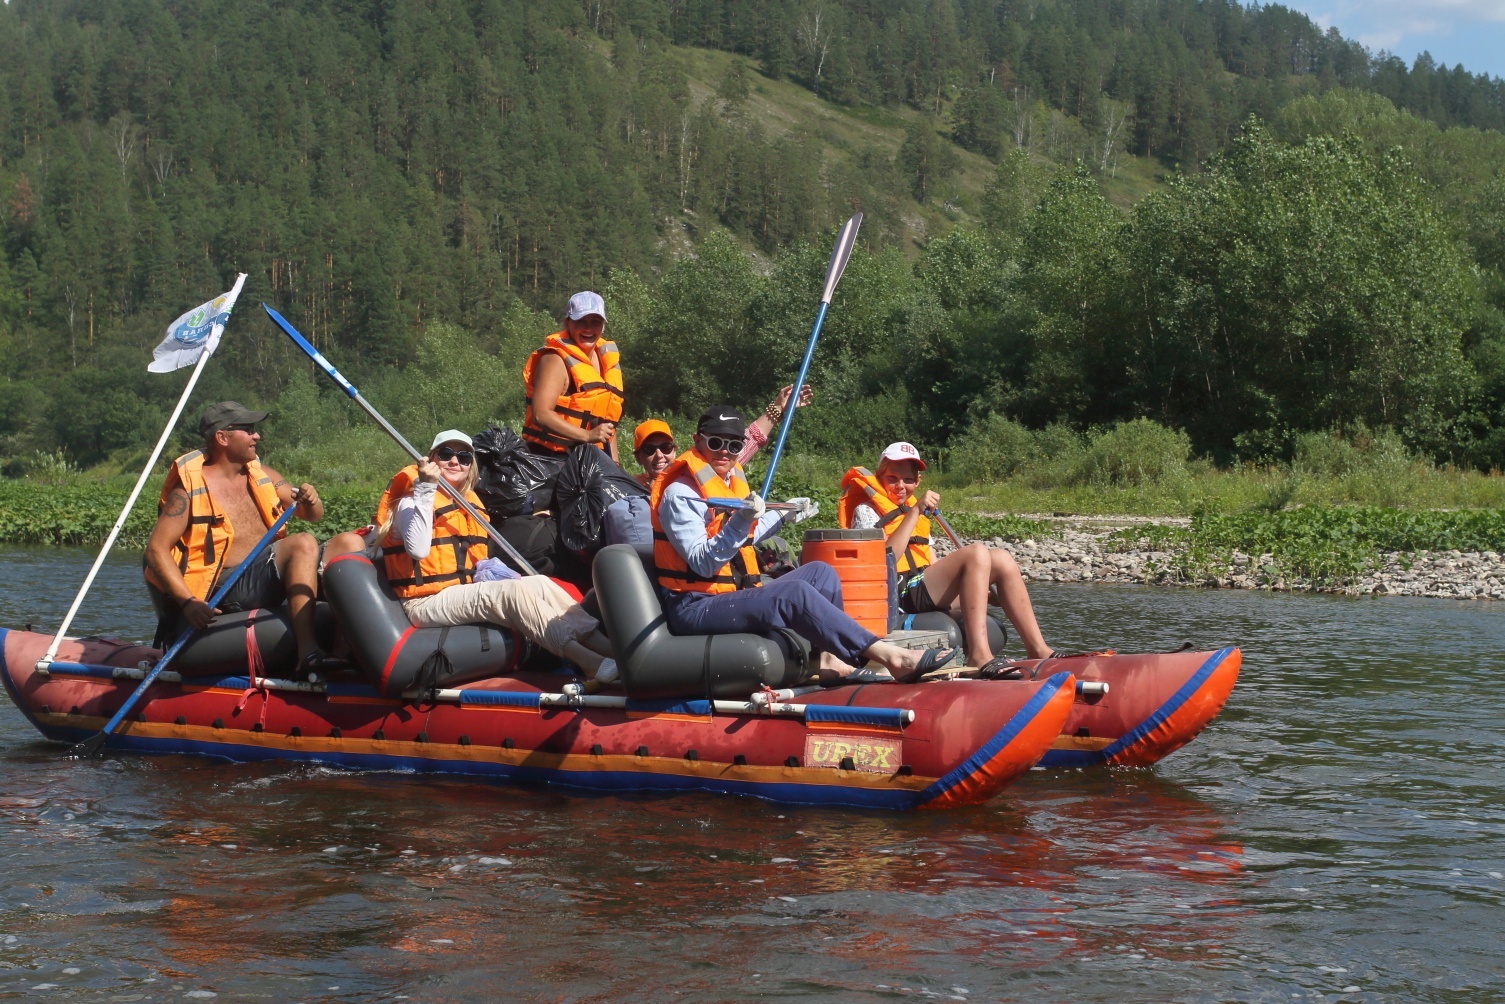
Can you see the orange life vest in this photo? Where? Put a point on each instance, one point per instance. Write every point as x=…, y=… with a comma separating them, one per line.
x=673, y=573
x=210, y=536
x=861, y=487
x=401, y=484
x=459, y=541
x=592, y=395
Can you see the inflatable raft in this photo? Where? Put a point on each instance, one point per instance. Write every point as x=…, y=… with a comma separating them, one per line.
x=723, y=713
x=887, y=747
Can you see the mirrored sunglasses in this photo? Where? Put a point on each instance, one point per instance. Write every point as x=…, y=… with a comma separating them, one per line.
x=465, y=457
x=718, y=443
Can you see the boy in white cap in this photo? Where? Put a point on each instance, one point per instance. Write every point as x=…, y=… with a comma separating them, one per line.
x=573, y=383
x=960, y=582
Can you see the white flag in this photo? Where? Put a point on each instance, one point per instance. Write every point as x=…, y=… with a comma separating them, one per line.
x=195, y=333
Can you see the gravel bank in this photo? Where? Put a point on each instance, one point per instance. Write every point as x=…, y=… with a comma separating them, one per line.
x=1084, y=553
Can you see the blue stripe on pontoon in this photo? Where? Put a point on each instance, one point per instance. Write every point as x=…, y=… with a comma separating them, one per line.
x=1001, y=738
x=1091, y=758
x=1180, y=697
x=701, y=708
x=81, y=669
x=853, y=716
x=600, y=782
x=351, y=690
x=500, y=698
x=1072, y=758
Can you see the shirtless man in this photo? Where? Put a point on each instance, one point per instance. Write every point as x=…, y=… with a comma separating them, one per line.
x=216, y=504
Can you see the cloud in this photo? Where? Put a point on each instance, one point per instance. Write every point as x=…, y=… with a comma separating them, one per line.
x=1386, y=40
x=1440, y=14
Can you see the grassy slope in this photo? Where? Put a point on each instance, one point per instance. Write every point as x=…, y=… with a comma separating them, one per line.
x=844, y=132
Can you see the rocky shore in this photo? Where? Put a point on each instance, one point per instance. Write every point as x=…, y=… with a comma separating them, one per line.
x=1085, y=551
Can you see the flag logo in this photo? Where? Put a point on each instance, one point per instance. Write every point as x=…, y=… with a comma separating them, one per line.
x=194, y=333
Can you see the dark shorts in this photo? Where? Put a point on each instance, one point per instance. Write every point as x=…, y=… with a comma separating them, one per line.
x=259, y=588
x=914, y=597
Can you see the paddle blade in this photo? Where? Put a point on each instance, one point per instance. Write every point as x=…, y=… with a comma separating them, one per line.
x=312, y=353
x=89, y=747
x=839, y=256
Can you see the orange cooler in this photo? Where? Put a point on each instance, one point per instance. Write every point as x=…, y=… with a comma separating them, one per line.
x=860, y=563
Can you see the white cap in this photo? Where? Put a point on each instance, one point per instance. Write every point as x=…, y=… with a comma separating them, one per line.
x=585, y=303
x=902, y=451
x=450, y=436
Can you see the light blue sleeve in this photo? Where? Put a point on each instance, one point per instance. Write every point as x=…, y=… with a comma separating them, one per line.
x=685, y=516
x=769, y=525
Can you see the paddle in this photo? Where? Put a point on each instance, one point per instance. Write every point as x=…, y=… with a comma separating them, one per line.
x=838, y=264
x=742, y=504
x=95, y=742
x=355, y=395
x=935, y=514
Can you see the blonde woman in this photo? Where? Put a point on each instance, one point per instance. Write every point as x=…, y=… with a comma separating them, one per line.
x=430, y=549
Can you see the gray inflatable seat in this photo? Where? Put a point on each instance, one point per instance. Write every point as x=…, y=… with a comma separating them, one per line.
x=939, y=620
x=657, y=665
x=224, y=648
x=396, y=656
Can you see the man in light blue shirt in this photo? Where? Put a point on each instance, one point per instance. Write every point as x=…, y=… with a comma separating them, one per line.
x=707, y=573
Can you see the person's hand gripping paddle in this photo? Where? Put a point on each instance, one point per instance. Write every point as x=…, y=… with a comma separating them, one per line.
x=96, y=742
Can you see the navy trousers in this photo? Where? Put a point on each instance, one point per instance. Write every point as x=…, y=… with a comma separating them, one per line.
x=807, y=601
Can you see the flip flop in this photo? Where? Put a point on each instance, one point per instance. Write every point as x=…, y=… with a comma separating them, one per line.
x=1000, y=667
x=930, y=659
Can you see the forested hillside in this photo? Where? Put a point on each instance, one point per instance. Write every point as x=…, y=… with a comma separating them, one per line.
x=417, y=184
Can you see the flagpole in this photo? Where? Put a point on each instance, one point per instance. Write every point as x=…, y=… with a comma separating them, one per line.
x=146, y=472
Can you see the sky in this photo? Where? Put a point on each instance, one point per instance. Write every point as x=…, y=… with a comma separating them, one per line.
x=1471, y=32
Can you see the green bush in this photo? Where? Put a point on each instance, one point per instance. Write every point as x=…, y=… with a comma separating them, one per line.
x=992, y=449
x=1323, y=544
x=1139, y=452
x=1370, y=467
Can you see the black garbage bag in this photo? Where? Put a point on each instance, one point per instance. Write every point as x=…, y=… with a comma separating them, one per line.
x=512, y=480
x=588, y=482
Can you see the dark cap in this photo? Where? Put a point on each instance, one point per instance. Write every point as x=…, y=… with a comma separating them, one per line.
x=721, y=420
x=225, y=414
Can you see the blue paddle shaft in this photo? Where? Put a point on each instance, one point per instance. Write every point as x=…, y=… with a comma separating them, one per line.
x=799, y=382
x=183, y=639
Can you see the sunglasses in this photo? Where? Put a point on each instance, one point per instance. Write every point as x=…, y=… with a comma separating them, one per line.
x=718, y=443
x=248, y=429
x=667, y=449
x=465, y=457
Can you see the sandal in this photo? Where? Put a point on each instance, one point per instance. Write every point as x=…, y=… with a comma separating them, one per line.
x=316, y=665
x=930, y=659
x=1000, y=667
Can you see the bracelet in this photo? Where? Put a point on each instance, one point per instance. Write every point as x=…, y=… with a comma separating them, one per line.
x=184, y=603
x=773, y=412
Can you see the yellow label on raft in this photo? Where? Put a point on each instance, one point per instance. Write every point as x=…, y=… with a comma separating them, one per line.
x=876, y=756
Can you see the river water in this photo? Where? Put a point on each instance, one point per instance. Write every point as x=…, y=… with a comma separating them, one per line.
x=1337, y=835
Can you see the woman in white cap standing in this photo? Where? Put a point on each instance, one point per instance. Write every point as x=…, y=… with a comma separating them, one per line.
x=573, y=383
x=430, y=550
x=960, y=582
